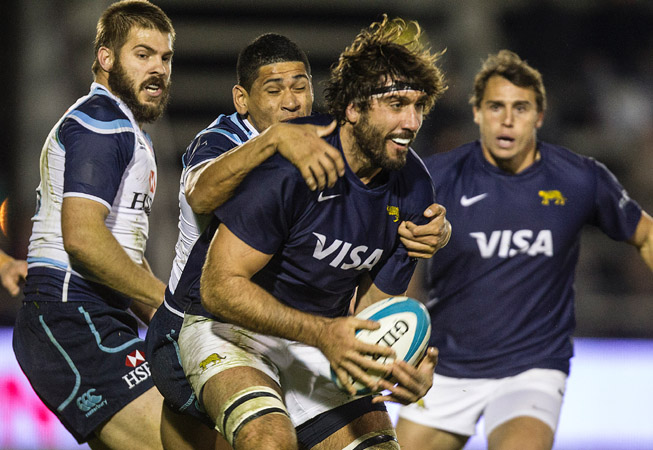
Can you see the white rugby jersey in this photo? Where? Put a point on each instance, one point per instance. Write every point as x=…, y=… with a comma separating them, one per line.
x=96, y=151
x=223, y=134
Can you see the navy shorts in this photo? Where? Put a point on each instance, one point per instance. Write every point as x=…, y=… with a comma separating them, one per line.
x=311, y=433
x=84, y=360
x=163, y=355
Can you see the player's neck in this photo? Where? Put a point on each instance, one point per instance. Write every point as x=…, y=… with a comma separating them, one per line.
x=515, y=164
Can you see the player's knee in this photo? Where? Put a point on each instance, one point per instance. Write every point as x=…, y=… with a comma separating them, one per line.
x=378, y=440
x=256, y=402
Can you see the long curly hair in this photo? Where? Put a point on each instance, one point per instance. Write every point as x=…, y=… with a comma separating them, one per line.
x=384, y=53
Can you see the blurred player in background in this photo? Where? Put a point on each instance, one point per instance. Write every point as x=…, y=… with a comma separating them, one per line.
x=286, y=262
x=74, y=338
x=12, y=273
x=501, y=294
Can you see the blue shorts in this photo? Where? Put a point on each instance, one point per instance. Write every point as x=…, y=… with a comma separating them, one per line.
x=163, y=355
x=84, y=360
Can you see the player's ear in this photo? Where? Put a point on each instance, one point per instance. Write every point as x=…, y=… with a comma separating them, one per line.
x=105, y=58
x=477, y=113
x=540, y=120
x=352, y=113
x=241, y=99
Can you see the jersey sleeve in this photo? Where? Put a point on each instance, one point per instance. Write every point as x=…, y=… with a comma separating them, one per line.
x=207, y=146
x=615, y=213
x=261, y=212
x=97, y=154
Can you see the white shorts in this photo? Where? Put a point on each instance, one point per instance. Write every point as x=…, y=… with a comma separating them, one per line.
x=456, y=404
x=209, y=347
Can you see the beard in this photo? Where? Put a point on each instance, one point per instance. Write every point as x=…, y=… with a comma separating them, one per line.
x=372, y=144
x=123, y=86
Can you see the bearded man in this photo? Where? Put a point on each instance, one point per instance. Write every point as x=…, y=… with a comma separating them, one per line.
x=74, y=338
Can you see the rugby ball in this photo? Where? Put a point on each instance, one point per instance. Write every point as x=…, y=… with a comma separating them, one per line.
x=405, y=326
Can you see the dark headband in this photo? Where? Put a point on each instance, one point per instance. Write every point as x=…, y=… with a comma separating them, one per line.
x=396, y=87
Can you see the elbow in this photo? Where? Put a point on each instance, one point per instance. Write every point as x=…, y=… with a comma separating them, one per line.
x=196, y=202
x=75, y=244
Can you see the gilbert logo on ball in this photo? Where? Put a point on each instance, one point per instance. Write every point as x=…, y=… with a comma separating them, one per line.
x=405, y=326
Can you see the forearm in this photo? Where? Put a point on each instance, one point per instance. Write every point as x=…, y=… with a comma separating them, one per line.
x=214, y=183
x=95, y=253
x=240, y=301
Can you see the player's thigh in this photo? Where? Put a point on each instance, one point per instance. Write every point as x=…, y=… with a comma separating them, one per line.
x=535, y=393
x=181, y=431
x=521, y=433
x=373, y=430
x=165, y=364
x=219, y=361
x=452, y=405
x=414, y=436
x=137, y=425
x=236, y=382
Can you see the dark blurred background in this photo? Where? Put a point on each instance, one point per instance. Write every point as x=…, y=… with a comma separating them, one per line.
x=596, y=57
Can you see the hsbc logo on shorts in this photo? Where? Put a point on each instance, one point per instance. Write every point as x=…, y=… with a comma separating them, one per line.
x=345, y=255
x=134, y=359
x=141, y=370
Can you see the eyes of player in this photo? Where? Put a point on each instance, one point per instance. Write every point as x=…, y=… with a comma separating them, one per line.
x=397, y=103
x=144, y=55
x=522, y=107
x=297, y=88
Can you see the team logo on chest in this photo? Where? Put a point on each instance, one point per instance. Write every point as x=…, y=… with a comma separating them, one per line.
x=393, y=211
x=553, y=197
x=345, y=255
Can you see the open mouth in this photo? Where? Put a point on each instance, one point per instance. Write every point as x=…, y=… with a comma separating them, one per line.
x=153, y=87
x=505, y=141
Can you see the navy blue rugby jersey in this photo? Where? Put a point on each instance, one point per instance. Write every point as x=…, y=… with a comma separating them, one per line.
x=501, y=292
x=322, y=242
x=223, y=134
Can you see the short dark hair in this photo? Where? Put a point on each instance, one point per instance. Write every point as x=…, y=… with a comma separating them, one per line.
x=390, y=50
x=118, y=19
x=510, y=66
x=269, y=48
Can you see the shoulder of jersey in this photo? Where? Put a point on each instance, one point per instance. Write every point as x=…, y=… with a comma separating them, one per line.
x=405, y=325
x=101, y=107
